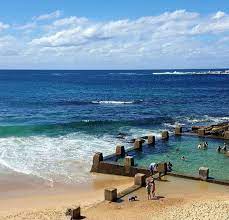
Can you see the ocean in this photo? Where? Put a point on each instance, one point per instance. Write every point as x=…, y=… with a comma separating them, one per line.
x=53, y=121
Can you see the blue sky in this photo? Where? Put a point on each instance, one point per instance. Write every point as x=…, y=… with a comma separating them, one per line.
x=83, y=34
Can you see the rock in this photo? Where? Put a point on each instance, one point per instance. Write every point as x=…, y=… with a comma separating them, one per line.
x=121, y=135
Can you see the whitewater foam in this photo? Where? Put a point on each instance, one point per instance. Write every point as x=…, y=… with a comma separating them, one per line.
x=65, y=158
x=173, y=125
x=192, y=73
x=140, y=132
x=206, y=118
x=59, y=159
x=124, y=73
x=113, y=102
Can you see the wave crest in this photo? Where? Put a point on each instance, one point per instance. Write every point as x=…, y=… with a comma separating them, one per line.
x=97, y=102
x=83, y=125
x=215, y=72
x=117, y=102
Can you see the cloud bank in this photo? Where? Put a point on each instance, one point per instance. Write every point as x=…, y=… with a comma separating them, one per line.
x=178, y=39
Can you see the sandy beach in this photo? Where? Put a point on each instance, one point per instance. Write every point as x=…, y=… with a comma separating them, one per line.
x=178, y=198
x=26, y=197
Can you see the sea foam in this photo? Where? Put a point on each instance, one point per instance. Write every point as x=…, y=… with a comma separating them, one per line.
x=113, y=102
x=59, y=159
x=192, y=73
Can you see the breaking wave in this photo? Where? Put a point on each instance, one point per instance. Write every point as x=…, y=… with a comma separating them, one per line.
x=123, y=73
x=117, y=102
x=97, y=102
x=206, y=119
x=55, y=159
x=220, y=72
x=84, y=125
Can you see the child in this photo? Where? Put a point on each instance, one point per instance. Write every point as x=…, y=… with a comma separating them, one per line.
x=153, y=187
x=148, y=188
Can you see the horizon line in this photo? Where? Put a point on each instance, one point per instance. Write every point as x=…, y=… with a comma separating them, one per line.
x=137, y=69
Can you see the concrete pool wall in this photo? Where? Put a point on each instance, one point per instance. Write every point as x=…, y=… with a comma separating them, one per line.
x=109, y=164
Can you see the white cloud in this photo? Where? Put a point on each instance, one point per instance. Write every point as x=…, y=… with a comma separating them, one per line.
x=169, y=40
x=219, y=24
x=28, y=26
x=73, y=20
x=69, y=37
x=218, y=15
x=52, y=15
x=4, y=26
x=177, y=23
x=8, y=46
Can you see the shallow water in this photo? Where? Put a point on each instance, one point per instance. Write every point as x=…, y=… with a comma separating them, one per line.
x=176, y=147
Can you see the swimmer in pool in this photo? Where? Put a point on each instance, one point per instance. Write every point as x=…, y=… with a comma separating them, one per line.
x=218, y=149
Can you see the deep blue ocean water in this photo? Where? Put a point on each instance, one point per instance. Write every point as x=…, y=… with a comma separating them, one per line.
x=52, y=121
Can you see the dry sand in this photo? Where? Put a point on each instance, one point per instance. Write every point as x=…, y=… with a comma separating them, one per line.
x=179, y=199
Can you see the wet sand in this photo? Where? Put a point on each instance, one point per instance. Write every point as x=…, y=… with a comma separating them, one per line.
x=28, y=197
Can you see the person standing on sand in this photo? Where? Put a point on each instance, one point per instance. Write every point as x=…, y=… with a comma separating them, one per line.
x=148, y=188
x=153, y=188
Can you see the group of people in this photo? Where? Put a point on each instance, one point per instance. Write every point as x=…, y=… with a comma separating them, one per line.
x=153, y=167
x=203, y=146
x=150, y=187
x=219, y=148
x=222, y=149
x=150, y=184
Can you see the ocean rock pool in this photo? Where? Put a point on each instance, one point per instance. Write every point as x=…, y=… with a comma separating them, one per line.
x=178, y=146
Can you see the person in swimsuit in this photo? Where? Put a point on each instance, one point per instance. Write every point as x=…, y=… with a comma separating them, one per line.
x=218, y=149
x=153, y=188
x=148, y=189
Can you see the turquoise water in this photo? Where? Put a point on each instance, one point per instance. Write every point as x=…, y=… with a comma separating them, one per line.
x=165, y=151
x=53, y=121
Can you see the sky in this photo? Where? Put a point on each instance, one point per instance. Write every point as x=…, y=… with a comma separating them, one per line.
x=114, y=34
